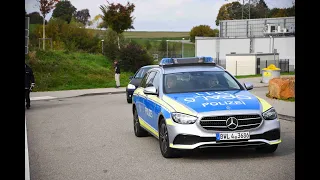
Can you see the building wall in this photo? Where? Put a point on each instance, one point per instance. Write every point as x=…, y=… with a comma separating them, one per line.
x=207, y=47
x=241, y=65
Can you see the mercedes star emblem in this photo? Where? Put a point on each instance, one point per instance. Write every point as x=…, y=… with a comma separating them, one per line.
x=232, y=123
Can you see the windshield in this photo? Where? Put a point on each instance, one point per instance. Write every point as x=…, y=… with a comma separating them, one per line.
x=199, y=81
x=141, y=73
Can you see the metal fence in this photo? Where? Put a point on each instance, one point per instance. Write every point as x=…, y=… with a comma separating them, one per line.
x=253, y=27
x=158, y=55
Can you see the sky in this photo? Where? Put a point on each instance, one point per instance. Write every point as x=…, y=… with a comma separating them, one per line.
x=163, y=15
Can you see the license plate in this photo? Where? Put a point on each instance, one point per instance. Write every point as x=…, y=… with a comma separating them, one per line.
x=232, y=136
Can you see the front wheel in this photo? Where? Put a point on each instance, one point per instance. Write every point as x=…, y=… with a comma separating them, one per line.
x=129, y=101
x=165, y=149
x=267, y=149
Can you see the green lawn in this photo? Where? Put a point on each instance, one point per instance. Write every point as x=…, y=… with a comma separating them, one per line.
x=58, y=70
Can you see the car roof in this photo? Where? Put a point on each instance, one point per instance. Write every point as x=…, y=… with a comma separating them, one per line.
x=178, y=69
x=150, y=66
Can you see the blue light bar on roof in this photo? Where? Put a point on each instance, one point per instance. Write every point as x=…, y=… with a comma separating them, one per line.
x=189, y=60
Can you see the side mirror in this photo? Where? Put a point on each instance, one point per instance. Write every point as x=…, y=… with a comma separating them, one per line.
x=150, y=91
x=248, y=86
x=130, y=77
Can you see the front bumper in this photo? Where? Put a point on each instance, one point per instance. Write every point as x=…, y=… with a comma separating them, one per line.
x=129, y=93
x=192, y=136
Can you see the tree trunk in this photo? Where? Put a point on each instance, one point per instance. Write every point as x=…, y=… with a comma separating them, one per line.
x=44, y=33
x=118, y=41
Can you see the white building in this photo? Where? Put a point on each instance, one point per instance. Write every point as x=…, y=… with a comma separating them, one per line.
x=251, y=36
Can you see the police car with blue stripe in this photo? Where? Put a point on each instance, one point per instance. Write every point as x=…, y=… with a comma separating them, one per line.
x=189, y=103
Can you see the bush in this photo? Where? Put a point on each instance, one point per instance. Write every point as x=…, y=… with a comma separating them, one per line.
x=133, y=56
x=67, y=36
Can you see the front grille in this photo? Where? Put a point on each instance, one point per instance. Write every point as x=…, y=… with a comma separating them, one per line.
x=219, y=123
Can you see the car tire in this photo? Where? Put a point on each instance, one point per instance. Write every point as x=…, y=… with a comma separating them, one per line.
x=138, y=130
x=165, y=149
x=129, y=101
x=267, y=149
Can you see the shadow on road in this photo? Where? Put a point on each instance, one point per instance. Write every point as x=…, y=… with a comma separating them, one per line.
x=235, y=153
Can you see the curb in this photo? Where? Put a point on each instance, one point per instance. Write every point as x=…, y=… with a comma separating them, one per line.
x=102, y=93
x=286, y=117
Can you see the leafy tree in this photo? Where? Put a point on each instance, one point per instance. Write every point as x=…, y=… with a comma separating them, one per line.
x=229, y=11
x=35, y=18
x=118, y=17
x=83, y=16
x=96, y=20
x=64, y=10
x=261, y=9
x=291, y=11
x=203, y=31
x=45, y=6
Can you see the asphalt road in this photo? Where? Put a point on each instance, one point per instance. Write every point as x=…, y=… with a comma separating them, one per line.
x=92, y=138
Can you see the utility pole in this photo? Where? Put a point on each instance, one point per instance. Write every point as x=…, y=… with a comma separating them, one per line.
x=249, y=9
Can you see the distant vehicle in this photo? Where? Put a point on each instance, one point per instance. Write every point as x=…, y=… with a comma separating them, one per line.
x=135, y=81
x=189, y=103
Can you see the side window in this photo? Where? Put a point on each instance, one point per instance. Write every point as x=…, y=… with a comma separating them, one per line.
x=144, y=80
x=156, y=81
x=150, y=78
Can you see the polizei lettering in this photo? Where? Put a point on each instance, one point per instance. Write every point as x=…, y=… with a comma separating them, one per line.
x=217, y=96
x=223, y=103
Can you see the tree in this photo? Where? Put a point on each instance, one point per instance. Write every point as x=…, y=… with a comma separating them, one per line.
x=203, y=31
x=64, y=10
x=45, y=6
x=281, y=13
x=118, y=17
x=83, y=16
x=229, y=11
x=35, y=18
x=96, y=20
x=291, y=11
x=261, y=9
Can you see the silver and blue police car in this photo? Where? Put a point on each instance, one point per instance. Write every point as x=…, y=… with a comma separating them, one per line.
x=189, y=103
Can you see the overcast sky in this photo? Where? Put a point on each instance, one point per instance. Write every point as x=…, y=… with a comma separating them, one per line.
x=164, y=15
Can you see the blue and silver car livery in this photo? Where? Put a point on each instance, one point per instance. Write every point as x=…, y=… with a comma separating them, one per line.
x=190, y=103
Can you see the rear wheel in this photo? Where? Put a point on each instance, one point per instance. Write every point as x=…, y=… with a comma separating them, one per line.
x=165, y=149
x=267, y=149
x=138, y=130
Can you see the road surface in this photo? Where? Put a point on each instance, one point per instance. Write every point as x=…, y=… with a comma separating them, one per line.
x=92, y=138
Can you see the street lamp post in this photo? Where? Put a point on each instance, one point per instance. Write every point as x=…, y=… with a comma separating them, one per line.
x=167, y=49
x=182, y=47
x=102, y=45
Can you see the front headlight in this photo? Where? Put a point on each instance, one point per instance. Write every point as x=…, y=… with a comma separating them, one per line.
x=270, y=114
x=131, y=86
x=183, y=118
